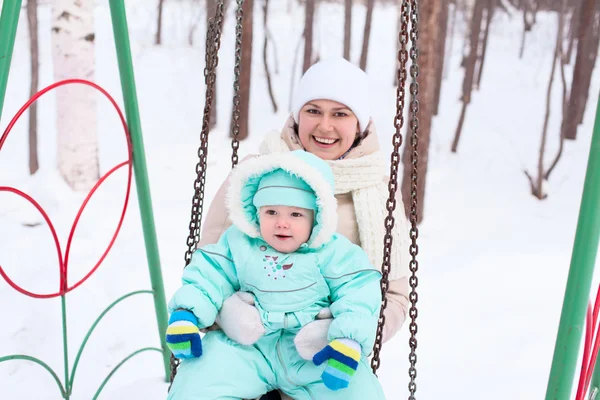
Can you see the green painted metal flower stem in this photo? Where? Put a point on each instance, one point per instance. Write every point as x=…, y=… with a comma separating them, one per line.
x=63, y=303
x=579, y=281
x=121, y=34
x=9, y=19
x=39, y=362
x=85, y=340
x=119, y=366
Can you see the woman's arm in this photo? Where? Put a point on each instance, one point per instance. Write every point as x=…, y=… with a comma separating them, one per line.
x=397, y=307
x=217, y=221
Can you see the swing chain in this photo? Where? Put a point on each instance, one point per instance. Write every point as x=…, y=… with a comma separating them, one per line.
x=414, y=231
x=235, y=117
x=213, y=43
x=213, y=39
x=393, y=182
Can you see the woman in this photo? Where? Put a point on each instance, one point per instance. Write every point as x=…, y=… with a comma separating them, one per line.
x=331, y=119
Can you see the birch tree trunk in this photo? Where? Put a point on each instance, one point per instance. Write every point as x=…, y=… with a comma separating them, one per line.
x=73, y=57
x=32, y=18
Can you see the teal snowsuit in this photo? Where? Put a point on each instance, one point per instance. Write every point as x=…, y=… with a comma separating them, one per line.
x=289, y=289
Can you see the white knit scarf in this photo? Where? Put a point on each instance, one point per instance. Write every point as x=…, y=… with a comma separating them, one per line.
x=366, y=179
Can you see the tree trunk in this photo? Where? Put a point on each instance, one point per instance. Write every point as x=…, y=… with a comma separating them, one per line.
x=441, y=52
x=246, y=69
x=430, y=14
x=469, y=66
x=527, y=24
x=366, y=36
x=308, y=34
x=73, y=56
x=265, y=44
x=585, y=60
x=448, y=54
x=573, y=28
x=561, y=143
x=347, y=28
x=159, y=23
x=211, y=10
x=32, y=20
x=489, y=13
x=537, y=184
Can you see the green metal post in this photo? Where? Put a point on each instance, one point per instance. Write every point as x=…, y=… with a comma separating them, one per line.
x=580, y=278
x=8, y=30
x=595, y=382
x=121, y=34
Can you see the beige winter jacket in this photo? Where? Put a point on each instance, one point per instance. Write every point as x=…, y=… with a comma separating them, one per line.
x=217, y=222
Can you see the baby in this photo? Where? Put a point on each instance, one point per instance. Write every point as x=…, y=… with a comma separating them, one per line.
x=282, y=249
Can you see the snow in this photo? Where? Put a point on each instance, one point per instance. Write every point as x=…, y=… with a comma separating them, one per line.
x=493, y=259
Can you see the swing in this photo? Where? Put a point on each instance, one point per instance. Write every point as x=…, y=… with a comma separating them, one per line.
x=213, y=43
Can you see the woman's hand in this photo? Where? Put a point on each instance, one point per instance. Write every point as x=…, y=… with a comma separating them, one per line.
x=240, y=320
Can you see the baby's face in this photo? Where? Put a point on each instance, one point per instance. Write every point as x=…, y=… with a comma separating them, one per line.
x=285, y=228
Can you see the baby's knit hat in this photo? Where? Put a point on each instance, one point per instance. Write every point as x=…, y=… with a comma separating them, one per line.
x=280, y=188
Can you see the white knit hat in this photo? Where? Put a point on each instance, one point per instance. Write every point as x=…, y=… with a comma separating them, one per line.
x=339, y=80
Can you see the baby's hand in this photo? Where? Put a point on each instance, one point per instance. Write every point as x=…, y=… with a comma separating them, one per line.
x=343, y=356
x=183, y=335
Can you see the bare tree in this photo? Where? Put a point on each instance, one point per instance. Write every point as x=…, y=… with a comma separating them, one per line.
x=32, y=20
x=73, y=55
x=246, y=70
x=159, y=23
x=265, y=44
x=347, y=28
x=470, y=61
x=573, y=27
x=536, y=183
x=529, y=17
x=430, y=15
x=452, y=24
x=565, y=97
x=489, y=13
x=440, y=52
x=366, y=36
x=308, y=34
x=585, y=61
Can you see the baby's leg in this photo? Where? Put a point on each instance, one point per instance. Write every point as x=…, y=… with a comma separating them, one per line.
x=364, y=385
x=226, y=370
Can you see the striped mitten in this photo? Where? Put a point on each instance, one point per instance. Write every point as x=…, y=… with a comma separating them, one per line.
x=183, y=335
x=343, y=356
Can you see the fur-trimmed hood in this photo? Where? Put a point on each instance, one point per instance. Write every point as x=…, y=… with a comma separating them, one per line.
x=311, y=169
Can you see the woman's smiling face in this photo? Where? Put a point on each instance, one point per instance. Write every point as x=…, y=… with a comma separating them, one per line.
x=327, y=128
